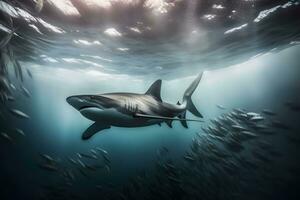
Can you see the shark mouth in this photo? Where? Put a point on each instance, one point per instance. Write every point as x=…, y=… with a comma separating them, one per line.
x=85, y=107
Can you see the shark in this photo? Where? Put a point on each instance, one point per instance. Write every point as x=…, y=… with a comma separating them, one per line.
x=123, y=109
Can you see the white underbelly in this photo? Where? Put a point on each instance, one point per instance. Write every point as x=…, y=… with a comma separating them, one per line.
x=116, y=118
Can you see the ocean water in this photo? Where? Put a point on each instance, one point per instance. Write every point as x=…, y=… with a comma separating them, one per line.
x=247, y=146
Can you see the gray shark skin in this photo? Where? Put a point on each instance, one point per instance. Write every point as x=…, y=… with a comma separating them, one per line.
x=132, y=109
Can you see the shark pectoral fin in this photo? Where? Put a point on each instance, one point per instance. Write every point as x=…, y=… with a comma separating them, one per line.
x=93, y=129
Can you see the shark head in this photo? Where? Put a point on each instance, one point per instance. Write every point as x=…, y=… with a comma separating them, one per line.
x=81, y=102
x=93, y=107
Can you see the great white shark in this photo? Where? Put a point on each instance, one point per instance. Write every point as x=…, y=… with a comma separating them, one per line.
x=132, y=109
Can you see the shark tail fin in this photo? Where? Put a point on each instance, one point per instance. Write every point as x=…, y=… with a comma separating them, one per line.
x=187, y=97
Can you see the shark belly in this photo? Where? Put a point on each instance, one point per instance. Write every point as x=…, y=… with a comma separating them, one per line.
x=113, y=117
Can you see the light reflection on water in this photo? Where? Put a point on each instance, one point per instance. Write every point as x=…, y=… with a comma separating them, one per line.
x=252, y=67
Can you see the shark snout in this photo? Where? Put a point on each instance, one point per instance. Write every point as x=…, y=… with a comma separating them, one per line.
x=80, y=102
x=75, y=101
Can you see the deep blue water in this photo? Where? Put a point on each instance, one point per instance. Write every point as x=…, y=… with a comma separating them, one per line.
x=250, y=68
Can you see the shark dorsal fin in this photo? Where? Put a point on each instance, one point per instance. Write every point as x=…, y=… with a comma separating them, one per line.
x=154, y=90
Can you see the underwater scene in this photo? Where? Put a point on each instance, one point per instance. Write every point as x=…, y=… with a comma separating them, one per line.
x=150, y=99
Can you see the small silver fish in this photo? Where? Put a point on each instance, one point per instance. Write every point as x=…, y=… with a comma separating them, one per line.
x=72, y=161
x=268, y=112
x=4, y=83
x=12, y=86
x=80, y=155
x=19, y=114
x=252, y=114
x=25, y=91
x=29, y=73
x=48, y=167
x=81, y=163
x=249, y=134
x=93, y=152
x=47, y=158
x=7, y=137
x=102, y=150
x=257, y=118
x=189, y=158
x=19, y=131
x=220, y=107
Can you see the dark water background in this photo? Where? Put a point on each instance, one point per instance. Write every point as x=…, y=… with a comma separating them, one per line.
x=252, y=67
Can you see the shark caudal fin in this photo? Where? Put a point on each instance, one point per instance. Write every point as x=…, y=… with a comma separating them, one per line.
x=187, y=97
